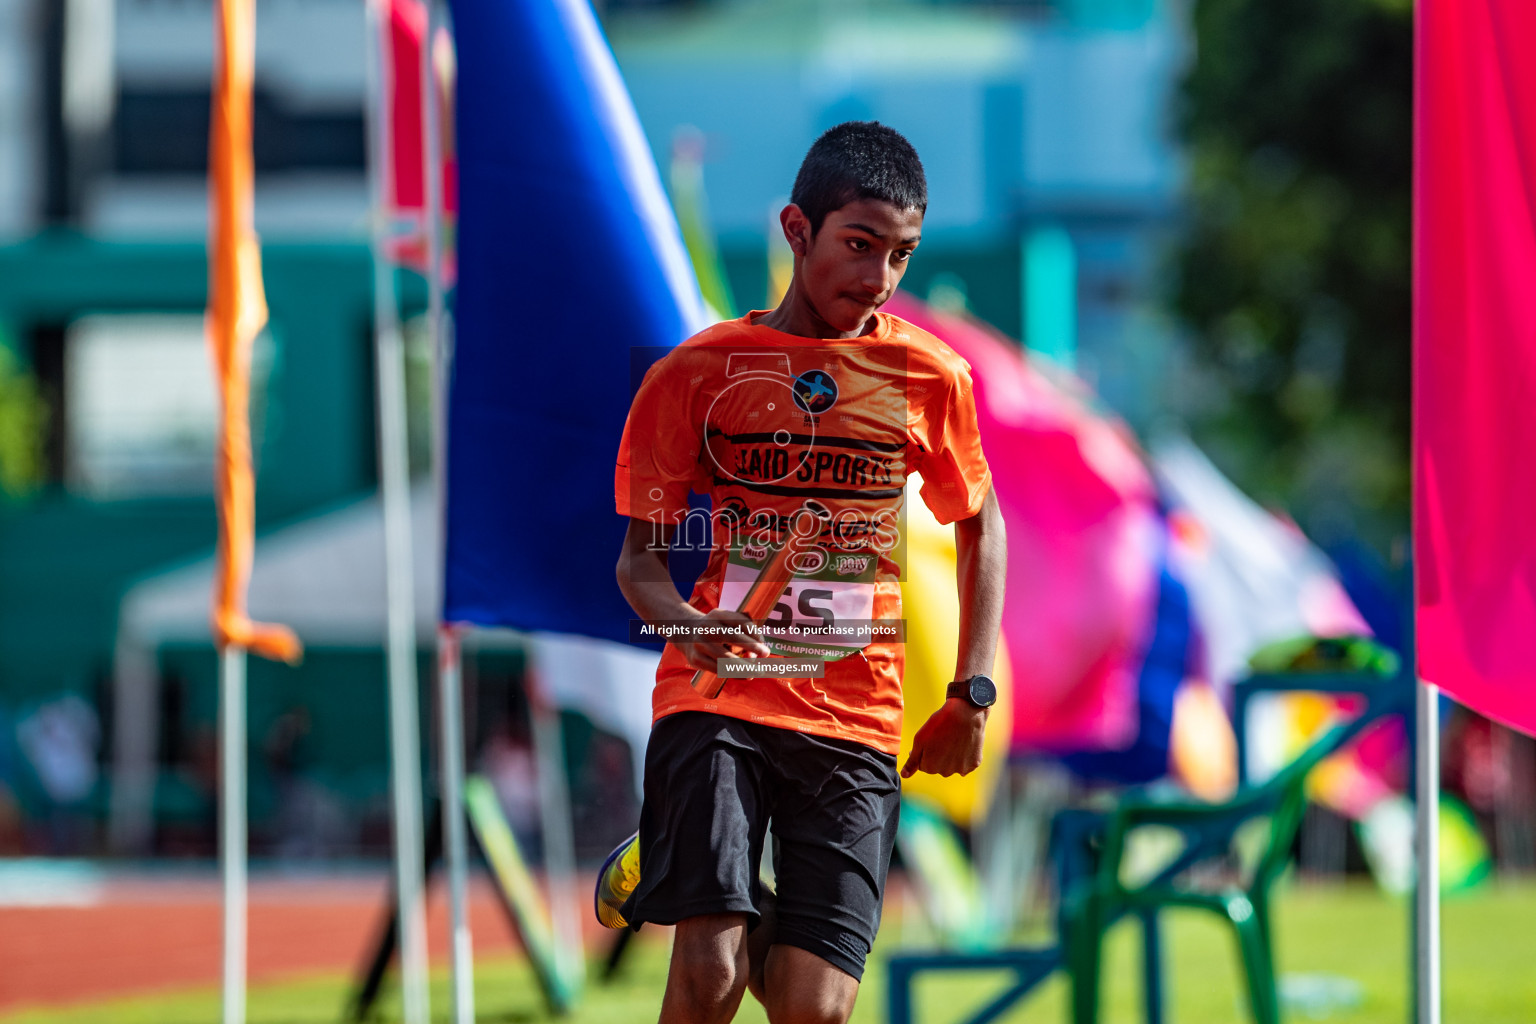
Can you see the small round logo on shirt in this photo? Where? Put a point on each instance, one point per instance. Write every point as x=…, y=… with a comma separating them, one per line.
x=815, y=391
x=811, y=560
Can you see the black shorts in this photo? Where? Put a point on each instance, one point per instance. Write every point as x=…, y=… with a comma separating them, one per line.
x=712, y=784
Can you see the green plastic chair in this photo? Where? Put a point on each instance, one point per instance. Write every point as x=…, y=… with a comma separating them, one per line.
x=1214, y=838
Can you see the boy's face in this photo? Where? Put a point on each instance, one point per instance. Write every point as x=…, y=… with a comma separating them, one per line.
x=849, y=268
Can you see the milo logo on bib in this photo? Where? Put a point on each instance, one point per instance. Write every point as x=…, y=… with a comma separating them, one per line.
x=825, y=609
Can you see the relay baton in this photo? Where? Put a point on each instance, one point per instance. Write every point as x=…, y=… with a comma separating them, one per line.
x=762, y=595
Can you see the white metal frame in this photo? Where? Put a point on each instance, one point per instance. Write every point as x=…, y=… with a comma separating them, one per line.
x=232, y=828
x=394, y=475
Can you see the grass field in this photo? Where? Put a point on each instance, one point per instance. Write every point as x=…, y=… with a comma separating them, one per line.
x=1350, y=932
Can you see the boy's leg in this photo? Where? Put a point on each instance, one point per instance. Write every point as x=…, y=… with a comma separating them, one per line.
x=759, y=943
x=834, y=810
x=802, y=988
x=708, y=973
x=701, y=839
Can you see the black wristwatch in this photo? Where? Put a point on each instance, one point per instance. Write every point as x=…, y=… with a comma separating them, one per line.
x=978, y=691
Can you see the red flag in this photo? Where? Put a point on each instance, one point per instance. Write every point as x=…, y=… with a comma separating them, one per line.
x=1475, y=353
x=408, y=187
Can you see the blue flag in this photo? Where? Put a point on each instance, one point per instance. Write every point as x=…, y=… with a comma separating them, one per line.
x=570, y=263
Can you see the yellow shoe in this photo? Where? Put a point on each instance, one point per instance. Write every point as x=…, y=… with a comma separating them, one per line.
x=616, y=880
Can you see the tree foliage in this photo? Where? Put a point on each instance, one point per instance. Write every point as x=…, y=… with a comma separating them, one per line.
x=1293, y=278
x=23, y=427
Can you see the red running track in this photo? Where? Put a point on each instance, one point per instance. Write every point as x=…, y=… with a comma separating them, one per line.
x=144, y=935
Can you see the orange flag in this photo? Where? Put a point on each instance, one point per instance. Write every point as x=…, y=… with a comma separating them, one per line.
x=237, y=310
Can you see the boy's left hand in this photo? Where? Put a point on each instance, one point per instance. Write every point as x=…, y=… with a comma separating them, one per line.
x=949, y=743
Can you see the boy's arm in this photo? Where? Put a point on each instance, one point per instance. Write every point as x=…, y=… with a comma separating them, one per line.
x=647, y=586
x=949, y=743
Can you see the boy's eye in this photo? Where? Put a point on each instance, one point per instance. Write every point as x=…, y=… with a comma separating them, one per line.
x=858, y=244
x=902, y=255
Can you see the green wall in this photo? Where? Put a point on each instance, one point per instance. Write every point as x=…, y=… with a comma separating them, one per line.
x=66, y=560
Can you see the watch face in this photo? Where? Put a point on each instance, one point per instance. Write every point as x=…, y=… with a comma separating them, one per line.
x=983, y=691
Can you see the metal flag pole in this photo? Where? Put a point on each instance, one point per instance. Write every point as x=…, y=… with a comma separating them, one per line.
x=450, y=681
x=394, y=478
x=559, y=838
x=232, y=826
x=449, y=675
x=1427, y=850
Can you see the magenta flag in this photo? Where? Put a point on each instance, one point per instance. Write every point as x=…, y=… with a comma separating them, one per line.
x=1083, y=527
x=1474, y=391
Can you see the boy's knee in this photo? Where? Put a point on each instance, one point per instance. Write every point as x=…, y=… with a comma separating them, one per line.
x=792, y=1005
x=705, y=993
x=802, y=988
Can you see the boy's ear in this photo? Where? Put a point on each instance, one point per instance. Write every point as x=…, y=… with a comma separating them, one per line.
x=797, y=229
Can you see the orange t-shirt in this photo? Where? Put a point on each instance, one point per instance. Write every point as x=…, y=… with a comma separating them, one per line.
x=766, y=423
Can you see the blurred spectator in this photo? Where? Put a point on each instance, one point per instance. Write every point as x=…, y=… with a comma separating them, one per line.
x=1491, y=768
x=60, y=740
x=309, y=821
x=604, y=808
x=12, y=838
x=507, y=761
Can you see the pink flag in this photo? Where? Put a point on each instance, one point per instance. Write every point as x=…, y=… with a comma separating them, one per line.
x=1475, y=353
x=1082, y=525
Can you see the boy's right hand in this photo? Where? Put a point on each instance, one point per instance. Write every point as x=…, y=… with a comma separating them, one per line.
x=736, y=636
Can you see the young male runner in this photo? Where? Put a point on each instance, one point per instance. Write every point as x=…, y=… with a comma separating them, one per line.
x=826, y=405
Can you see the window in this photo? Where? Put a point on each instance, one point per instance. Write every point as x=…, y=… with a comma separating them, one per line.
x=140, y=406
x=165, y=131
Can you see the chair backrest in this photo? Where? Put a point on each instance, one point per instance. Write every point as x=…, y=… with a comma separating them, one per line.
x=1287, y=788
x=1210, y=831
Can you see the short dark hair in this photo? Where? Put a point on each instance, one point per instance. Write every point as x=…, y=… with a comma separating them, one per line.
x=859, y=160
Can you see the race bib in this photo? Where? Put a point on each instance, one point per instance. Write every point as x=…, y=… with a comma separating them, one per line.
x=826, y=609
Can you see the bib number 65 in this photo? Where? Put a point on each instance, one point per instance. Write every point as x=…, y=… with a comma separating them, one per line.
x=813, y=604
